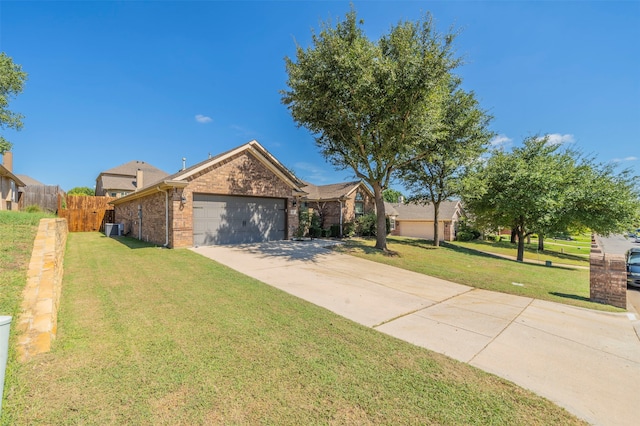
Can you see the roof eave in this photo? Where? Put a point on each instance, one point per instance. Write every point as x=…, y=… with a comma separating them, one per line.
x=160, y=186
x=5, y=172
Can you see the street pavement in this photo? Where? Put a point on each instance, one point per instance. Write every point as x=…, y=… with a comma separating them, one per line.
x=585, y=361
x=619, y=245
x=616, y=244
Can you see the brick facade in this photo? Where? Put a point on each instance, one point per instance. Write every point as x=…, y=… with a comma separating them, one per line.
x=329, y=211
x=241, y=174
x=607, y=278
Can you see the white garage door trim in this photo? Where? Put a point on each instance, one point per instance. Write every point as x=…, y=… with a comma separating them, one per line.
x=228, y=219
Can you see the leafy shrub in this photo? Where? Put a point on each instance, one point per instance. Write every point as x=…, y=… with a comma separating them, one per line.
x=34, y=208
x=465, y=236
x=465, y=232
x=334, y=231
x=349, y=229
x=308, y=225
x=366, y=225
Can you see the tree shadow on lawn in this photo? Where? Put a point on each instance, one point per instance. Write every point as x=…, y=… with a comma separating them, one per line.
x=533, y=250
x=528, y=262
x=570, y=296
x=132, y=243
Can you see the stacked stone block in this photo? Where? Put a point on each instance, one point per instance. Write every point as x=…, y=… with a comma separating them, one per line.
x=37, y=325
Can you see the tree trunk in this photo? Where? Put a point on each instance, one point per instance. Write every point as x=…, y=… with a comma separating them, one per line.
x=520, y=257
x=514, y=232
x=381, y=228
x=436, y=216
x=540, y=242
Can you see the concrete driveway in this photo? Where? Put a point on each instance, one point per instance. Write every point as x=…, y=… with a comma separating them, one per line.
x=586, y=361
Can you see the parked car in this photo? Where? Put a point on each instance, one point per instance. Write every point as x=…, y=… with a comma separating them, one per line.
x=633, y=267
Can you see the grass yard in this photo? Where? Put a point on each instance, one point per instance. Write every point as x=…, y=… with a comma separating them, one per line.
x=17, y=232
x=556, y=251
x=154, y=336
x=458, y=263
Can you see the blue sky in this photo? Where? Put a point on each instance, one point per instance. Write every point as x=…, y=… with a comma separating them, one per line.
x=110, y=82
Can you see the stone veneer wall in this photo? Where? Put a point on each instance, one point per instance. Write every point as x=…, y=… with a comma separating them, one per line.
x=37, y=325
x=608, y=277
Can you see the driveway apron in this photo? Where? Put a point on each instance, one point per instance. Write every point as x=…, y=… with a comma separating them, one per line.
x=586, y=361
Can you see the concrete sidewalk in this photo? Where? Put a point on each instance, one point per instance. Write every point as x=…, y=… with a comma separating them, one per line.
x=586, y=361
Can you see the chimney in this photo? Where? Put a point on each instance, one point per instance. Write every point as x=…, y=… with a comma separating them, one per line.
x=184, y=163
x=7, y=161
x=139, y=180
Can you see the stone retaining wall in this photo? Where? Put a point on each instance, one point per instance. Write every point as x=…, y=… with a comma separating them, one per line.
x=608, y=277
x=37, y=324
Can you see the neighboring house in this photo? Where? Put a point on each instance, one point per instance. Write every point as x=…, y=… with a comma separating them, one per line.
x=125, y=179
x=9, y=184
x=29, y=181
x=36, y=193
x=416, y=220
x=243, y=195
x=339, y=203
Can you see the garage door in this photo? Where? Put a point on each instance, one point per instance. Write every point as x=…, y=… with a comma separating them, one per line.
x=419, y=229
x=224, y=219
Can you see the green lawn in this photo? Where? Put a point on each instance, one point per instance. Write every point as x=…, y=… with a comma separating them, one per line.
x=17, y=232
x=556, y=251
x=458, y=263
x=155, y=336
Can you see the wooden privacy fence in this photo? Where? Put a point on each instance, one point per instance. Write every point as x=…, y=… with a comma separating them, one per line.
x=86, y=213
x=43, y=196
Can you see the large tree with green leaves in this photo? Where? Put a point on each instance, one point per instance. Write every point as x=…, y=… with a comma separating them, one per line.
x=12, y=80
x=546, y=188
x=370, y=105
x=522, y=190
x=461, y=136
x=391, y=195
x=81, y=190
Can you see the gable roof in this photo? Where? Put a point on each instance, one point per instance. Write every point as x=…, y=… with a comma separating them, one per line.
x=29, y=181
x=257, y=150
x=448, y=210
x=130, y=169
x=334, y=191
x=123, y=177
x=180, y=179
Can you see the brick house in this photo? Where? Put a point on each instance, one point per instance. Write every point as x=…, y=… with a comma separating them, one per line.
x=416, y=220
x=339, y=203
x=9, y=184
x=241, y=196
x=127, y=178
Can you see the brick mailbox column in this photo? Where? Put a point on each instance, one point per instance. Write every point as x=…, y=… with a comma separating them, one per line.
x=608, y=278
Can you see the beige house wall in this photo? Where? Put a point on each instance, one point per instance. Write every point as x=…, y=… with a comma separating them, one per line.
x=8, y=194
x=424, y=229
